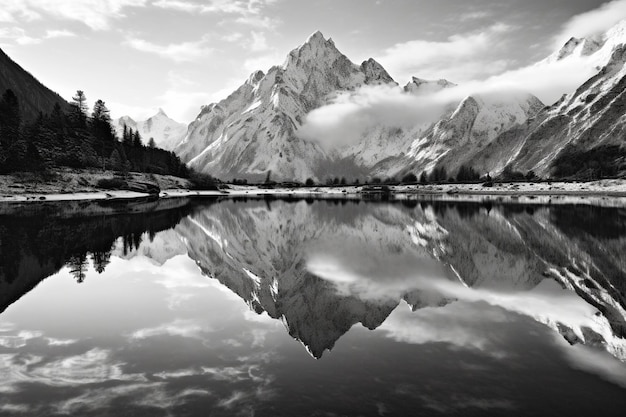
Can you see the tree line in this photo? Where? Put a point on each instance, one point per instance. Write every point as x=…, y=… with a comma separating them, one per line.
x=77, y=139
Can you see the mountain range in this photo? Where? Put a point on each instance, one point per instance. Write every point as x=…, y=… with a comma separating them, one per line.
x=263, y=128
x=257, y=130
x=165, y=131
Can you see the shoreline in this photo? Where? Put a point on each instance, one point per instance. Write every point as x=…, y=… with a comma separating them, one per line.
x=527, y=193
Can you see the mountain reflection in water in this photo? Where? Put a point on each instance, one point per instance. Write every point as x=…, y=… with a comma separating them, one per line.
x=476, y=309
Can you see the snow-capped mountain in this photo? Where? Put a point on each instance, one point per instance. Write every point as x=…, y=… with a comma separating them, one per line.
x=590, y=118
x=462, y=133
x=255, y=130
x=166, y=132
x=421, y=86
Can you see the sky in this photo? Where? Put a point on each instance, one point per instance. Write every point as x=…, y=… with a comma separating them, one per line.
x=142, y=55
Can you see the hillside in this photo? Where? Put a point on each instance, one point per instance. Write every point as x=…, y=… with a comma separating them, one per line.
x=34, y=96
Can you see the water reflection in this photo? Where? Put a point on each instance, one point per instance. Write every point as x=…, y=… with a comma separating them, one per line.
x=466, y=300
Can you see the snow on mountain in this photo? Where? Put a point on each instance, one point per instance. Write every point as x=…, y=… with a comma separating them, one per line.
x=166, y=132
x=590, y=117
x=253, y=132
x=464, y=131
x=421, y=86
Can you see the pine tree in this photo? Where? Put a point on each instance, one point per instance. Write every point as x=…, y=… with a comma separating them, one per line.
x=152, y=143
x=100, y=260
x=79, y=103
x=101, y=129
x=117, y=163
x=78, y=266
x=137, y=140
x=128, y=136
x=11, y=143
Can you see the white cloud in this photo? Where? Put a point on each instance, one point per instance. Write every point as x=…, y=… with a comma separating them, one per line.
x=464, y=325
x=350, y=115
x=262, y=22
x=259, y=42
x=177, y=5
x=178, y=52
x=50, y=34
x=593, y=22
x=263, y=62
x=181, y=328
x=18, y=35
x=347, y=117
x=232, y=37
x=461, y=57
x=97, y=14
x=249, y=12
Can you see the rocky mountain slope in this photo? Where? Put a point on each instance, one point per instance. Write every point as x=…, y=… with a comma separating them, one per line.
x=591, y=118
x=34, y=97
x=255, y=130
x=463, y=133
x=166, y=132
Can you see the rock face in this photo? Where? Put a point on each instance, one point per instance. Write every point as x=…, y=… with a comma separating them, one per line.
x=592, y=117
x=254, y=131
x=471, y=127
x=166, y=132
x=33, y=96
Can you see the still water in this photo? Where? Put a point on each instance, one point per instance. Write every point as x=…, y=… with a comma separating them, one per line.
x=312, y=308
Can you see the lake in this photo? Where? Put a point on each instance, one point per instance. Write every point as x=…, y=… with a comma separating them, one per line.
x=294, y=307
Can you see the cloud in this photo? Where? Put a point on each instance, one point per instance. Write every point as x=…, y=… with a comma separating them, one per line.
x=360, y=272
x=50, y=34
x=232, y=37
x=97, y=14
x=249, y=12
x=350, y=115
x=180, y=328
x=263, y=62
x=177, y=52
x=593, y=22
x=476, y=15
x=464, y=325
x=595, y=362
x=18, y=35
x=259, y=42
x=460, y=57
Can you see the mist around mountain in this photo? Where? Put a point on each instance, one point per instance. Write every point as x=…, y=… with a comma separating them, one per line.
x=292, y=121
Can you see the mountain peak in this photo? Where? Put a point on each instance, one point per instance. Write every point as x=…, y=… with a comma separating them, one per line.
x=161, y=112
x=316, y=36
x=317, y=40
x=375, y=73
x=420, y=85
